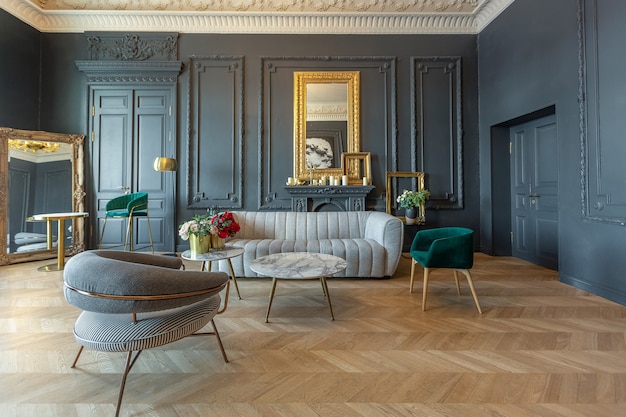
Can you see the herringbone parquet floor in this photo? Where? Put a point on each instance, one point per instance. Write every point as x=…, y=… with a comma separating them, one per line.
x=541, y=348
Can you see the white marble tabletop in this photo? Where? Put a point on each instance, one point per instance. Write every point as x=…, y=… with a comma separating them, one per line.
x=298, y=265
x=214, y=254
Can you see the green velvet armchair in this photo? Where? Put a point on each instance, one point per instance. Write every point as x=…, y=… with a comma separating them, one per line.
x=127, y=206
x=446, y=247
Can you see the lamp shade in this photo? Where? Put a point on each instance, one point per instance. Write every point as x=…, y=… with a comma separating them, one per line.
x=162, y=163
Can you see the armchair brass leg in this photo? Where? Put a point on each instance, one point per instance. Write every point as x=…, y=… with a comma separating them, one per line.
x=426, y=273
x=150, y=232
x=77, y=356
x=123, y=383
x=456, y=281
x=413, y=262
x=104, y=225
x=472, y=289
x=219, y=341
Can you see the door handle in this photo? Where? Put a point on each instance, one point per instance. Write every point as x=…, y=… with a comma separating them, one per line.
x=125, y=188
x=533, y=196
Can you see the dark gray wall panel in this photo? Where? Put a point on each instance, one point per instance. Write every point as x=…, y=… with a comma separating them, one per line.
x=215, y=147
x=438, y=128
x=604, y=145
x=19, y=73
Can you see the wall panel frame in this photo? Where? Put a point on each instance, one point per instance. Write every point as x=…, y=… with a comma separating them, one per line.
x=378, y=73
x=437, y=128
x=215, y=132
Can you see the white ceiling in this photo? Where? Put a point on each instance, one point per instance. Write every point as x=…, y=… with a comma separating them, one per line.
x=259, y=16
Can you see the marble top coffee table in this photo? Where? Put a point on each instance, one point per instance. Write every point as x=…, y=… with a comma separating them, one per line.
x=298, y=265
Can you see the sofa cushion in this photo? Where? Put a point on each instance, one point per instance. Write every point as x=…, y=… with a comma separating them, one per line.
x=367, y=256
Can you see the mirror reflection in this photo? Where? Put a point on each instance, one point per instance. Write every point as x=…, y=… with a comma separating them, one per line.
x=40, y=181
x=40, y=172
x=326, y=121
x=326, y=124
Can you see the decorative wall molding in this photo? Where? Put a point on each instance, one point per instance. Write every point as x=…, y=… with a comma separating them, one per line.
x=273, y=72
x=132, y=46
x=215, y=132
x=144, y=72
x=268, y=16
x=603, y=198
x=437, y=124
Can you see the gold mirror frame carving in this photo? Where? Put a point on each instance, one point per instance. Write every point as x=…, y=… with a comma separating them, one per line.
x=78, y=192
x=301, y=80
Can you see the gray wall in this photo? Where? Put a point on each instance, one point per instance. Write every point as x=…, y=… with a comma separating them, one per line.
x=529, y=61
x=19, y=74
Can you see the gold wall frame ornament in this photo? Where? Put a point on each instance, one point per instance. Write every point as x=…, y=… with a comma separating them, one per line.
x=75, y=153
x=393, y=191
x=357, y=166
x=302, y=81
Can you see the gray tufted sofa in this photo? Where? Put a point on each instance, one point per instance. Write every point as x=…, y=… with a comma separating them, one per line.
x=370, y=241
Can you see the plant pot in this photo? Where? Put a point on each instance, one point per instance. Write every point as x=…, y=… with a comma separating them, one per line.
x=199, y=244
x=217, y=242
x=410, y=215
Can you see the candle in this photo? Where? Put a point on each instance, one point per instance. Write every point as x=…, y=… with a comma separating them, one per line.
x=332, y=180
x=291, y=181
x=365, y=181
x=344, y=180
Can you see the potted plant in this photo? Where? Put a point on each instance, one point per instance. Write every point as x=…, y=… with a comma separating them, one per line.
x=198, y=232
x=411, y=201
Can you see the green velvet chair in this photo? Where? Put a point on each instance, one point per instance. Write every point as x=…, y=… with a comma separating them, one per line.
x=127, y=206
x=446, y=247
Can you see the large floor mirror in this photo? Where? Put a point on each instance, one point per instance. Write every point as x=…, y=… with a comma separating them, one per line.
x=40, y=172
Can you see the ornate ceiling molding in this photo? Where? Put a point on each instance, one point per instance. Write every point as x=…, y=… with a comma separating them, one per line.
x=265, y=16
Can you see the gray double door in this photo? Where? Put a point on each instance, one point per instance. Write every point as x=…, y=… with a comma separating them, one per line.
x=534, y=199
x=129, y=129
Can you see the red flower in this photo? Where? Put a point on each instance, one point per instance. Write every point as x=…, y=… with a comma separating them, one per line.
x=224, y=225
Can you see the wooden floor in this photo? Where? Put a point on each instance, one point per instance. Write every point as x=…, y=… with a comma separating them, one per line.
x=541, y=348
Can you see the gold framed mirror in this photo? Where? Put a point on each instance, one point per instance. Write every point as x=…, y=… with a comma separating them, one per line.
x=326, y=121
x=40, y=172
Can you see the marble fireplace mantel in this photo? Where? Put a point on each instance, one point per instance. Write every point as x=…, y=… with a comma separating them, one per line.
x=328, y=197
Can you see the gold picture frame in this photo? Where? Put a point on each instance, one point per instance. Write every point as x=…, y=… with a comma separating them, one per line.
x=392, y=191
x=357, y=165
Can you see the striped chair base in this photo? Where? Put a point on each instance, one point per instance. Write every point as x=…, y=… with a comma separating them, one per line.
x=119, y=333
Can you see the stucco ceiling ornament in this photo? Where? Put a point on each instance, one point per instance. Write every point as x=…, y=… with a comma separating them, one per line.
x=259, y=16
x=422, y=6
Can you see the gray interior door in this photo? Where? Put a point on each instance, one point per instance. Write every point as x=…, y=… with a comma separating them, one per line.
x=131, y=127
x=534, y=200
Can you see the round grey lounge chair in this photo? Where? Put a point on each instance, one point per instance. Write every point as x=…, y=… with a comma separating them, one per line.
x=134, y=301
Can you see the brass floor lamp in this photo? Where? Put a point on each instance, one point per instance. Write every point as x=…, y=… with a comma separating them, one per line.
x=164, y=164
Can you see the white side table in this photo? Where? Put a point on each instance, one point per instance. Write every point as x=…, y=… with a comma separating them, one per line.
x=217, y=255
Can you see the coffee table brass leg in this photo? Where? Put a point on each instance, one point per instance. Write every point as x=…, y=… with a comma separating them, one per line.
x=267, y=316
x=232, y=275
x=325, y=288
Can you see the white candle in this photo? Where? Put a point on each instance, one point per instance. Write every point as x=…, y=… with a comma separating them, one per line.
x=332, y=180
x=365, y=181
x=290, y=181
x=344, y=180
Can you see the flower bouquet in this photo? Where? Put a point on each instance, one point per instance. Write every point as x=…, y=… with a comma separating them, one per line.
x=198, y=232
x=224, y=225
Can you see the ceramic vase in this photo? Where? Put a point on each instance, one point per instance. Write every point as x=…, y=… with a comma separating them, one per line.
x=410, y=215
x=217, y=242
x=199, y=244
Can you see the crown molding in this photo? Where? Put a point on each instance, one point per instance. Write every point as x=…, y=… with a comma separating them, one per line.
x=278, y=22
